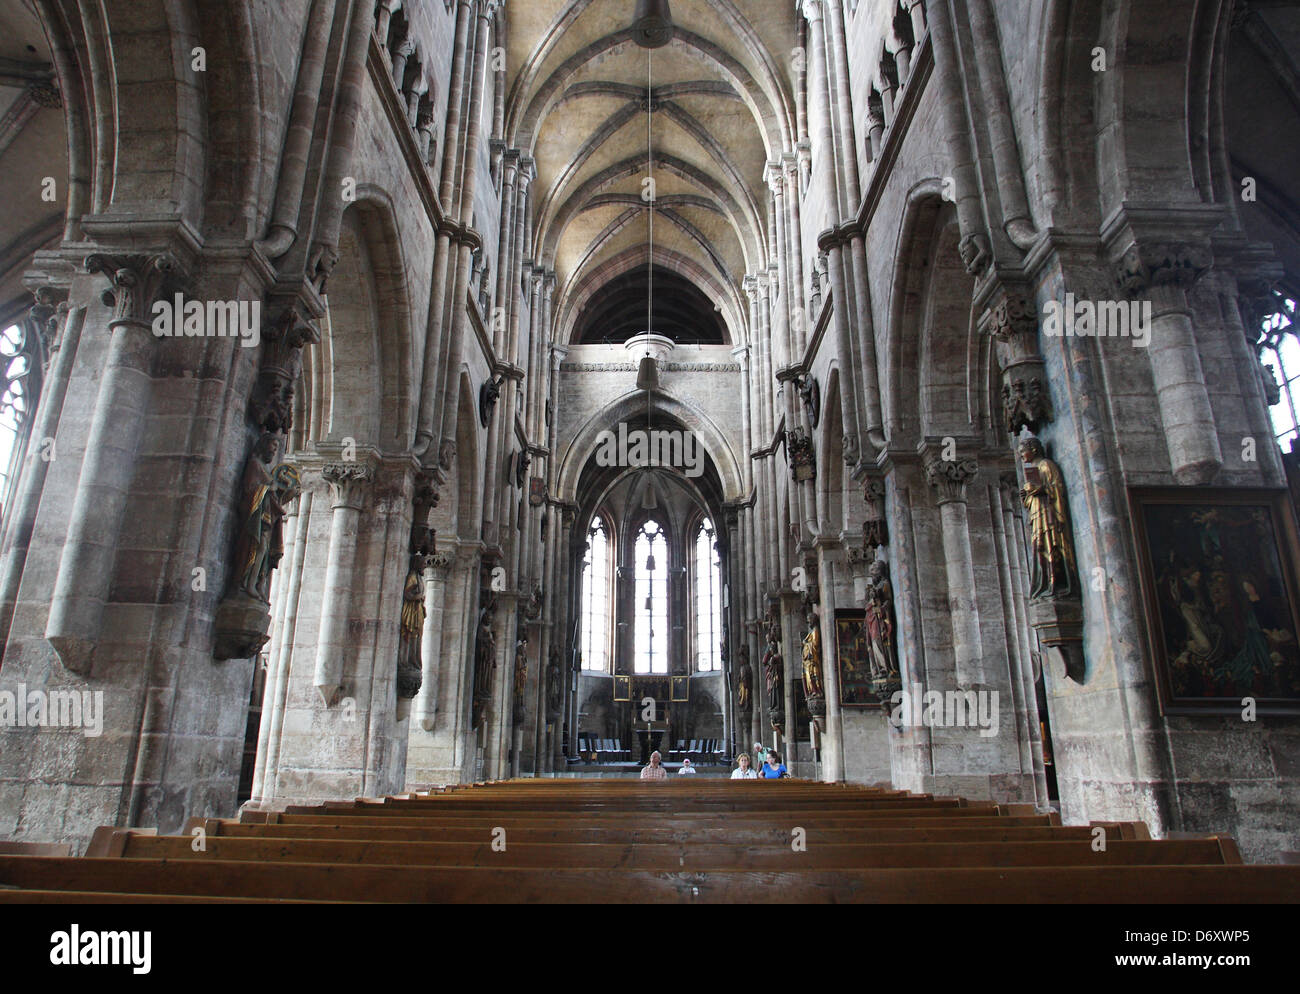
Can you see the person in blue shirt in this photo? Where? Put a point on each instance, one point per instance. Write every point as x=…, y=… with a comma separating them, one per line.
x=773, y=769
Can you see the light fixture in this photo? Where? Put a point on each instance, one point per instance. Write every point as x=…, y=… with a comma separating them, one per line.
x=647, y=374
x=653, y=26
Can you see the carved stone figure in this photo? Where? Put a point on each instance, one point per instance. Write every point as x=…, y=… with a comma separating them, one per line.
x=744, y=680
x=1053, y=568
x=774, y=673
x=882, y=656
x=409, y=675
x=267, y=491
x=813, y=687
x=554, y=689
x=485, y=660
x=521, y=679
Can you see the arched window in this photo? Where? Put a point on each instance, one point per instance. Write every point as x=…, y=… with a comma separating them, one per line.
x=708, y=601
x=595, y=599
x=1280, y=349
x=650, y=557
x=17, y=356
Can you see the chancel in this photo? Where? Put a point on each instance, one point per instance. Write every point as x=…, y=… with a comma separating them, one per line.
x=408, y=395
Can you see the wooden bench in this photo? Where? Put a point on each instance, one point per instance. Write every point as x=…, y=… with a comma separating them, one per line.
x=597, y=841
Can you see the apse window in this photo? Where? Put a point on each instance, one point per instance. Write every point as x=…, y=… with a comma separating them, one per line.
x=1280, y=348
x=708, y=601
x=595, y=595
x=650, y=646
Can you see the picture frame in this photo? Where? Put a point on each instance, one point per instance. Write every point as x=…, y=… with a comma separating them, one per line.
x=681, y=689
x=1219, y=573
x=622, y=687
x=851, y=660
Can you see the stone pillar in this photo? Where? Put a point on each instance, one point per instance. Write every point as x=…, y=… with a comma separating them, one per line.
x=949, y=477
x=349, y=488
x=1164, y=272
x=62, y=326
x=833, y=739
x=435, y=594
x=86, y=565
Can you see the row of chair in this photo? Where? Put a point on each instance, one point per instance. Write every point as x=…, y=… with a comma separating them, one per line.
x=604, y=750
x=698, y=751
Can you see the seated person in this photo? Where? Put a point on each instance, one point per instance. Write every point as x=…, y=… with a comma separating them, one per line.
x=773, y=769
x=743, y=771
x=655, y=770
x=686, y=768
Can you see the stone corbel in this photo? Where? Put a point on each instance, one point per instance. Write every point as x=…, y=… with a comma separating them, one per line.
x=1011, y=318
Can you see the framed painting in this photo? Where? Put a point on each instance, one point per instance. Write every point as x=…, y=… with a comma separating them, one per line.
x=1219, y=580
x=622, y=687
x=851, y=658
x=681, y=689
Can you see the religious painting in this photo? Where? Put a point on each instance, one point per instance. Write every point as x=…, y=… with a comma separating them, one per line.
x=681, y=688
x=622, y=688
x=1218, y=571
x=853, y=659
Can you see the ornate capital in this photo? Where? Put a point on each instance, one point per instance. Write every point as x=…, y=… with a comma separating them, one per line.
x=1011, y=313
x=1153, y=264
x=138, y=282
x=349, y=483
x=949, y=478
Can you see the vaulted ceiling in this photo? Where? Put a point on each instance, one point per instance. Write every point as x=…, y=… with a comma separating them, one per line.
x=722, y=96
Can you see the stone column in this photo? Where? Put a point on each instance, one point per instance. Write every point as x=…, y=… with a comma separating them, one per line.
x=833, y=740
x=349, y=487
x=949, y=477
x=1164, y=272
x=435, y=595
x=86, y=566
x=277, y=677
x=63, y=327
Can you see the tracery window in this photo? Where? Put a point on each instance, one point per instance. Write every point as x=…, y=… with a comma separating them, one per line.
x=708, y=601
x=595, y=599
x=18, y=357
x=1280, y=348
x=650, y=607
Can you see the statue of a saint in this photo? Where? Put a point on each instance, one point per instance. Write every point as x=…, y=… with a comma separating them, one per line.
x=485, y=653
x=774, y=674
x=881, y=656
x=521, y=668
x=409, y=665
x=1053, y=570
x=812, y=656
x=267, y=491
x=745, y=678
x=554, y=691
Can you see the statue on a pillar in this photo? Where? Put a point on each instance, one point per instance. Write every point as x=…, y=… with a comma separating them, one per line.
x=1053, y=569
x=813, y=688
x=268, y=489
x=774, y=673
x=554, y=688
x=485, y=661
x=409, y=665
x=882, y=656
x=521, y=679
x=745, y=680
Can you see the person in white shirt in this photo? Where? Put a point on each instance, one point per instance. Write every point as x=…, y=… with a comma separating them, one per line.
x=686, y=767
x=743, y=770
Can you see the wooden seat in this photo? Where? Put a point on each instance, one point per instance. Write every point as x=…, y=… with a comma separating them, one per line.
x=601, y=841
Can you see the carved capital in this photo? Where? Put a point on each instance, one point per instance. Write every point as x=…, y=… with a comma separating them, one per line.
x=1153, y=264
x=349, y=483
x=1010, y=314
x=949, y=478
x=138, y=281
